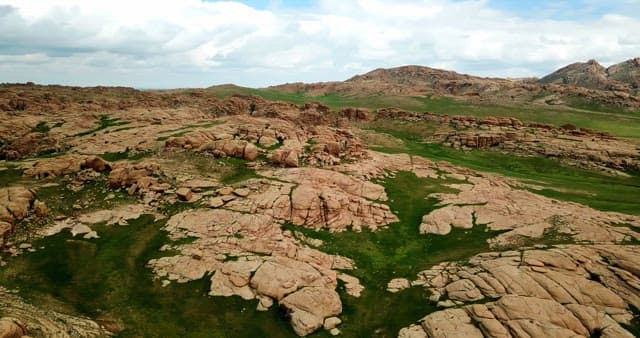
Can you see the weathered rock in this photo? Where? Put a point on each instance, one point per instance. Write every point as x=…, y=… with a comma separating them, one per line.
x=66, y=164
x=242, y=192
x=309, y=307
x=317, y=198
x=250, y=152
x=450, y=323
x=268, y=141
x=215, y=202
x=11, y=328
x=15, y=203
x=40, y=209
x=331, y=323
x=268, y=264
x=264, y=303
x=398, y=284
x=281, y=276
x=184, y=194
x=463, y=290
x=119, y=215
x=352, y=285
x=555, y=296
x=233, y=279
x=5, y=231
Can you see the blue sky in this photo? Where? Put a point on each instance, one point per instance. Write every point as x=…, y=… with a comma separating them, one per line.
x=266, y=4
x=565, y=9
x=551, y=9
x=197, y=43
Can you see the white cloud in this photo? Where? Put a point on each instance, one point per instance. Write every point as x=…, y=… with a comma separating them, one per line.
x=195, y=43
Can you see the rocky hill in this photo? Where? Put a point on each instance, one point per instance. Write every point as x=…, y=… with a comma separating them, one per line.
x=624, y=76
x=616, y=86
x=409, y=80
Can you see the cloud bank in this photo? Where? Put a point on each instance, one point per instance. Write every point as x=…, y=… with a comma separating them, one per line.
x=193, y=43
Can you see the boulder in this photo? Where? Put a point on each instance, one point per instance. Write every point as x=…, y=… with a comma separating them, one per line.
x=15, y=203
x=250, y=152
x=5, y=230
x=331, y=323
x=281, y=276
x=450, y=323
x=285, y=157
x=40, y=209
x=398, y=284
x=413, y=331
x=310, y=306
x=184, y=194
x=215, y=202
x=267, y=141
x=11, y=328
x=291, y=160
x=242, y=192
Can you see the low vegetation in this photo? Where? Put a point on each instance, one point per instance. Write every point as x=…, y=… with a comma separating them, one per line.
x=600, y=191
x=104, y=123
x=582, y=114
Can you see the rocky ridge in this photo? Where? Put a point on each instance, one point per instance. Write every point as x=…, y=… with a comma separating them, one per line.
x=616, y=85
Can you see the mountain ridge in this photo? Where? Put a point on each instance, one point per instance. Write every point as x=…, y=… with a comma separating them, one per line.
x=616, y=86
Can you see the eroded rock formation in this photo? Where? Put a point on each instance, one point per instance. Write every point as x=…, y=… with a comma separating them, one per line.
x=566, y=291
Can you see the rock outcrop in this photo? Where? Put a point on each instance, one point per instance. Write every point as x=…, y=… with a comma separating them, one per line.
x=251, y=256
x=65, y=165
x=523, y=214
x=21, y=319
x=309, y=307
x=317, y=198
x=567, y=291
x=17, y=203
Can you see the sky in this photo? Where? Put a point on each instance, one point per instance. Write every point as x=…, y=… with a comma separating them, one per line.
x=257, y=43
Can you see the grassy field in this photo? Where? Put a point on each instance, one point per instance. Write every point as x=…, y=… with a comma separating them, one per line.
x=600, y=191
x=583, y=115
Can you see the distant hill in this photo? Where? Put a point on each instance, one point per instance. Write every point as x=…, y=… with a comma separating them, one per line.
x=624, y=76
x=407, y=80
x=583, y=85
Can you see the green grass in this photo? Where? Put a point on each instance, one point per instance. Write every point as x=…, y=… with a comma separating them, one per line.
x=10, y=176
x=602, y=118
x=124, y=155
x=239, y=173
x=41, y=127
x=398, y=251
x=106, y=278
x=104, y=123
x=186, y=129
x=600, y=191
x=92, y=196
